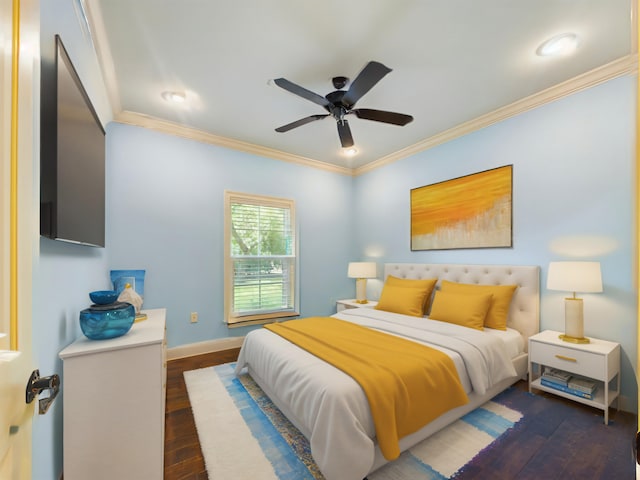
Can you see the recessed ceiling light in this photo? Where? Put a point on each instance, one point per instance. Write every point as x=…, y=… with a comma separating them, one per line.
x=562, y=44
x=174, y=97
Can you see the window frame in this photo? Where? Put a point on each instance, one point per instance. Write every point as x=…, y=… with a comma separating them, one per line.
x=230, y=319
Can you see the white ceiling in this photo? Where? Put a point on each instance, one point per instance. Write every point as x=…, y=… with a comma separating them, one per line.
x=453, y=61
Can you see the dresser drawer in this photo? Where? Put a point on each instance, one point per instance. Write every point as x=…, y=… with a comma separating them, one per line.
x=589, y=364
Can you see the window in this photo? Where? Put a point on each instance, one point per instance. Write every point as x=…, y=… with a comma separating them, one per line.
x=260, y=258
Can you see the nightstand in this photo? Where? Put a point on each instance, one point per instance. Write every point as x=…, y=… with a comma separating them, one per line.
x=598, y=360
x=351, y=303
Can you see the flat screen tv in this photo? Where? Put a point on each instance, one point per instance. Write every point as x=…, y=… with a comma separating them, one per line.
x=72, y=156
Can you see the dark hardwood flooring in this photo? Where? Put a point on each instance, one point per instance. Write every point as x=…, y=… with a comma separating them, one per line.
x=183, y=458
x=182, y=455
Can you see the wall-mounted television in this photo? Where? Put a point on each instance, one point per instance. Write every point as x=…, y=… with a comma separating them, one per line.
x=72, y=155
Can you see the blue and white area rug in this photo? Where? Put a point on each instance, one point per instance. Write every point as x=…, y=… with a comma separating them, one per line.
x=243, y=436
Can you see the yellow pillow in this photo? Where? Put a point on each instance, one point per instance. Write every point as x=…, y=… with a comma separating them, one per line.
x=405, y=300
x=427, y=283
x=468, y=310
x=499, y=310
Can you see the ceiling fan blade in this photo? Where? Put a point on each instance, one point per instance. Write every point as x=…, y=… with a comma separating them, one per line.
x=299, y=123
x=302, y=92
x=382, y=116
x=371, y=74
x=344, y=132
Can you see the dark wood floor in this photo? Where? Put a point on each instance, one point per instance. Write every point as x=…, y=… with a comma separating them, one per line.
x=183, y=458
x=182, y=455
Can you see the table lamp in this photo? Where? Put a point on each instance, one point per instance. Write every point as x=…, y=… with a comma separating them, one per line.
x=361, y=271
x=574, y=277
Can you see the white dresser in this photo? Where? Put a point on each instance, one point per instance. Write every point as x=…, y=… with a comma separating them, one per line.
x=114, y=404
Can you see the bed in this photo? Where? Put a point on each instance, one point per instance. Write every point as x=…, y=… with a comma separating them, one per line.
x=331, y=409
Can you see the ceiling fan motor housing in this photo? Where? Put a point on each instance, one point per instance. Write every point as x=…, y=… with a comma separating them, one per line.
x=337, y=109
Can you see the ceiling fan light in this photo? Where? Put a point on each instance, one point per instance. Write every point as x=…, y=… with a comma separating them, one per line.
x=350, y=151
x=562, y=44
x=174, y=97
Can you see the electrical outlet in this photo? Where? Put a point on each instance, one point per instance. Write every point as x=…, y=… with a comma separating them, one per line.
x=194, y=317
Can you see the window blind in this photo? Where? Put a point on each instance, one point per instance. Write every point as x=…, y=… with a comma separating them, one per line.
x=261, y=264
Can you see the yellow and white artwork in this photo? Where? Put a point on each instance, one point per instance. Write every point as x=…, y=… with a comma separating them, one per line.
x=473, y=211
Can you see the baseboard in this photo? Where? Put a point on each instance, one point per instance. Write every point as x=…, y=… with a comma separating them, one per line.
x=626, y=405
x=208, y=346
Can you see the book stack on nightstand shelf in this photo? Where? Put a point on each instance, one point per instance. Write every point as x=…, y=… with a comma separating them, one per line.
x=565, y=382
x=582, y=387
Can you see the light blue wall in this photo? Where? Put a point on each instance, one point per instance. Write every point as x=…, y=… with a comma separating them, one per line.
x=63, y=273
x=165, y=215
x=573, y=196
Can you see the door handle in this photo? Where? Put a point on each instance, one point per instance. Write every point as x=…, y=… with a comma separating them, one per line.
x=37, y=384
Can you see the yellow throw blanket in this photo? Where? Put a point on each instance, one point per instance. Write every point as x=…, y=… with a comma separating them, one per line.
x=407, y=384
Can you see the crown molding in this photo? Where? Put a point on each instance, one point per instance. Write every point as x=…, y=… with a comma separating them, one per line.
x=623, y=66
x=105, y=60
x=171, y=128
x=98, y=36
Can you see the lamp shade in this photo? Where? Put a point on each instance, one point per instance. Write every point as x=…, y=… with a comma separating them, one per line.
x=575, y=277
x=362, y=270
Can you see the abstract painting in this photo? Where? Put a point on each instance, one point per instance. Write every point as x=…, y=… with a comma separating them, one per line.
x=474, y=211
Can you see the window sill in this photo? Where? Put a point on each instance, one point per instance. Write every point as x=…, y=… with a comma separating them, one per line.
x=261, y=319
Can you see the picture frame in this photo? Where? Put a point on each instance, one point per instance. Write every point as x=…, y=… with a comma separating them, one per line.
x=472, y=211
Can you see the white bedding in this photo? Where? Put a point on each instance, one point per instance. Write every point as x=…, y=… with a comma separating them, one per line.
x=331, y=409
x=512, y=339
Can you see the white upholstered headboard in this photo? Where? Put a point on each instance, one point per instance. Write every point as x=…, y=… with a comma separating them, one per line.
x=524, y=314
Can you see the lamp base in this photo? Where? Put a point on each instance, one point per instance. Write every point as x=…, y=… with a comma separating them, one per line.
x=361, y=290
x=362, y=301
x=573, y=321
x=567, y=338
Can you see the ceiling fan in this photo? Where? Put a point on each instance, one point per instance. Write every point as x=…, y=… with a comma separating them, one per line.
x=340, y=103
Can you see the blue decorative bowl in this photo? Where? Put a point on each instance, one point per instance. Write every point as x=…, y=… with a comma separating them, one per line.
x=108, y=321
x=103, y=297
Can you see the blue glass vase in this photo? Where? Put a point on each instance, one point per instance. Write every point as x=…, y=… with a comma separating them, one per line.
x=100, y=322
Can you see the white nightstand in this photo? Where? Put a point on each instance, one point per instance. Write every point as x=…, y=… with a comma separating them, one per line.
x=351, y=303
x=598, y=360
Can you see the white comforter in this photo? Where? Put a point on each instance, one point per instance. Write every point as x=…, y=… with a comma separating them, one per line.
x=331, y=409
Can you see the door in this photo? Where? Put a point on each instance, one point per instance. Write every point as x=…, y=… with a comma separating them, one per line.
x=636, y=30
x=19, y=115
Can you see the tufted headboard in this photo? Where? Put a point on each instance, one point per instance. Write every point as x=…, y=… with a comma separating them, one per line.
x=524, y=314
